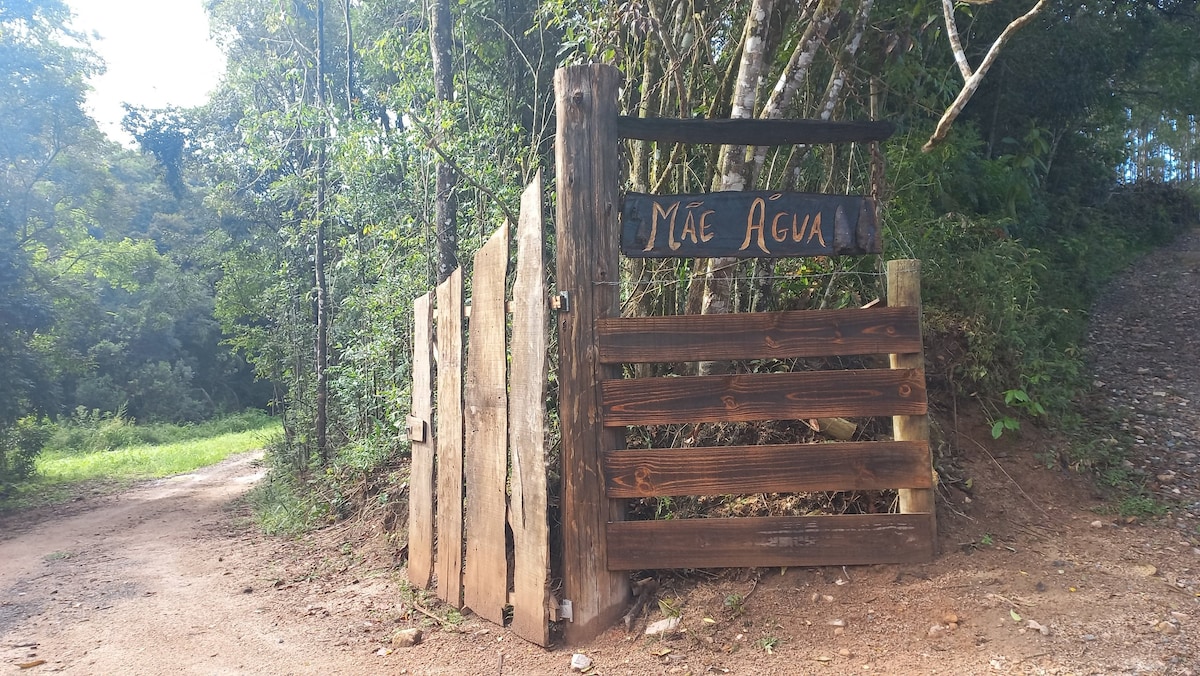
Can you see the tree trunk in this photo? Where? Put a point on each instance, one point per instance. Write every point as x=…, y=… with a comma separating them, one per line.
x=731, y=175
x=446, y=203
x=321, y=421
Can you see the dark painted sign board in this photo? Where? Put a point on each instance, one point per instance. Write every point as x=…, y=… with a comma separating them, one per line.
x=748, y=224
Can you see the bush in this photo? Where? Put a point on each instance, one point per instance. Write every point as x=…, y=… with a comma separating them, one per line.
x=19, y=448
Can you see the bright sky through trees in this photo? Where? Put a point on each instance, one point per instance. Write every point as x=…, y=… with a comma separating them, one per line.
x=158, y=53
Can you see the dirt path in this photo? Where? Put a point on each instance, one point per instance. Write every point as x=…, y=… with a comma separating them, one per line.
x=170, y=577
x=153, y=581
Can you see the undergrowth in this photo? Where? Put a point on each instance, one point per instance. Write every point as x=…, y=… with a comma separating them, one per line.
x=98, y=451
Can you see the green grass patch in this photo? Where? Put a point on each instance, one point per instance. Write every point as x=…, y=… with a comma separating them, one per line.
x=64, y=473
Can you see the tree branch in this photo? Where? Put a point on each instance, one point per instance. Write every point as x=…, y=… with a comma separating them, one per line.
x=972, y=83
x=960, y=57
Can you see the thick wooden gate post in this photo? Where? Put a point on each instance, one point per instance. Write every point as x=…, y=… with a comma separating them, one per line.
x=904, y=290
x=588, y=260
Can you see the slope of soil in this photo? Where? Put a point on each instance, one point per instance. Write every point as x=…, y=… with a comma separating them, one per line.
x=172, y=578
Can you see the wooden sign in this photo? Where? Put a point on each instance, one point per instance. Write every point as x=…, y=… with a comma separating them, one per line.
x=748, y=225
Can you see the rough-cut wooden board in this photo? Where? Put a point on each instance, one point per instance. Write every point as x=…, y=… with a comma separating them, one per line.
x=750, y=132
x=748, y=224
x=450, y=440
x=527, y=428
x=904, y=290
x=762, y=396
x=588, y=174
x=851, y=539
x=766, y=469
x=760, y=335
x=485, y=580
x=420, y=482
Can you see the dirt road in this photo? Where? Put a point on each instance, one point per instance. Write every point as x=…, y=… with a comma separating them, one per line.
x=152, y=581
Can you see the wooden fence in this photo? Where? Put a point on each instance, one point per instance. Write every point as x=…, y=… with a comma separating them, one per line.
x=490, y=417
x=489, y=432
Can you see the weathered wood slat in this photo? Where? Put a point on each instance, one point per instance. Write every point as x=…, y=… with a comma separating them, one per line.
x=770, y=541
x=748, y=224
x=766, y=469
x=450, y=440
x=485, y=576
x=762, y=396
x=751, y=132
x=420, y=482
x=588, y=171
x=527, y=428
x=766, y=335
x=904, y=290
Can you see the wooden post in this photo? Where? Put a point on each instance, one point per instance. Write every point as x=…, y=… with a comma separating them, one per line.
x=420, y=500
x=588, y=260
x=904, y=290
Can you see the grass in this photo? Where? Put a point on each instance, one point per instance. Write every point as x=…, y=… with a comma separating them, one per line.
x=63, y=473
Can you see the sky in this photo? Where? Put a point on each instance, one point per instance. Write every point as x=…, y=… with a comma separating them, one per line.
x=157, y=52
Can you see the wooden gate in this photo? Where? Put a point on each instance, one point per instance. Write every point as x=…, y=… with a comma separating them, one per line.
x=597, y=403
x=489, y=422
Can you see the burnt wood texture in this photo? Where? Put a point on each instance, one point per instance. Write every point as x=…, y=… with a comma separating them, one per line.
x=783, y=468
x=851, y=539
x=749, y=132
x=762, y=335
x=747, y=397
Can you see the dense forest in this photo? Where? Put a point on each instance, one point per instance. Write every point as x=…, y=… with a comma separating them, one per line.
x=263, y=250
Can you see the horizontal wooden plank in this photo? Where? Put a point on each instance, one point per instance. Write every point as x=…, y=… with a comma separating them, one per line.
x=759, y=335
x=767, y=469
x=748, y=224
x=848, y=539
x=762, y=396
x=751, y=132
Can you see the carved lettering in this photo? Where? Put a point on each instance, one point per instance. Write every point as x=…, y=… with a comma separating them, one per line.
x=758, y=208
x=656, y=212
x=746, y=224
x=705, y=235
x=815, y=230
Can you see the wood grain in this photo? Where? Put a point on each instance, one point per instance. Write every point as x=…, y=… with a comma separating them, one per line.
x=450, y=440
x=761, y=335
x=485, y=458
x=588, y=174
x=420, y=482
x=856, y=539
x=750, y=132
x=762, y=396
x=527, y=428
x=766, y=469
x=904, y=290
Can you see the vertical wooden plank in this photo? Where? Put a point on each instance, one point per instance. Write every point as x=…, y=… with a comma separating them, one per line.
x=450, y=440
x=904, y=290
x=420, y=482
x=527, y=427
x=485, y=463
x=588, y=261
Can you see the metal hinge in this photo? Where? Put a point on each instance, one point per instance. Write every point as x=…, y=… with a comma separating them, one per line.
x=565, y=611
x=561, y=302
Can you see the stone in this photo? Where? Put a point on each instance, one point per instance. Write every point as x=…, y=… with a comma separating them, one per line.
x=666, y=625
x=407, y=638
x=580, y=662
x=1167, y=628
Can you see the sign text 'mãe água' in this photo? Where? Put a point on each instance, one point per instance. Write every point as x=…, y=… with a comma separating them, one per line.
x=748, y=225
